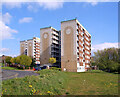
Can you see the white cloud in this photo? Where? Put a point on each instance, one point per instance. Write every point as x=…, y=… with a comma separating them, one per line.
x=51, y=5
x=11, y=5
x=6, y=18
x=46, y=4
x=4, y=50
x=102, y=46
x=32, y=8
x=25, y=20
x=13, y=55
x=94, y=3
x=6, y=32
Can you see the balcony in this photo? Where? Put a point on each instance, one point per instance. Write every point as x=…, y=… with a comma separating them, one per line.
x=77, y=50
x=54, y=37
x=77, y=43
x=54, y=41
x=77, y=32
x=55, y=33
x=55, y=47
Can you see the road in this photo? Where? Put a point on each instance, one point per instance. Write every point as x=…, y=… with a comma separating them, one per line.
x=9, y=74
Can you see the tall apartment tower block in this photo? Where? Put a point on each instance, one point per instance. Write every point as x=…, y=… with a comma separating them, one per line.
x=75, y=47
x=31, y=48
x=50, y=45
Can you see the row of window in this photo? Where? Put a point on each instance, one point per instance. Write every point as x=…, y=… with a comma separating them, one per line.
x=87, y=43
x=54, y=41
x=88, y=57
x=54, y=32
x=37, y=59
x=87, y=34
x=87, y=52
x=37, y=55
x=55, y=37
x=87, y=38
x=87, y=47
x=87, y=61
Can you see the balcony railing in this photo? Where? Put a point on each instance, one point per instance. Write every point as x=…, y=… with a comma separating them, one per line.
x=56, y=42
x=55, y=33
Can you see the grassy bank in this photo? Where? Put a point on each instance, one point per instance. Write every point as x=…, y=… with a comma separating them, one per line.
x=53, y=82
x=48, y=83
x=92, y=83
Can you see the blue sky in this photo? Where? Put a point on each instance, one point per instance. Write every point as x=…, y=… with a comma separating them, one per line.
x=25, y=20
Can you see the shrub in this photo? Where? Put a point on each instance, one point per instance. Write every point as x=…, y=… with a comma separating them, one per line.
x=107, y=59
x=52, y=60
x=24, y=60
x=13, y=60
x=55, y=68
x=7, y=60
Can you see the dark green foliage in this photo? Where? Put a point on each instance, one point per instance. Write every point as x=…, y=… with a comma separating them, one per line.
x=25, y=60
x=33, y=63
x=22, y=60
x=13, y=60
x=7, y=60
x=55, y=68
x=19, y=61
x=107, y=59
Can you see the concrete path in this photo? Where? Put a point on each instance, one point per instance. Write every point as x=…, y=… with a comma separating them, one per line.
x=9, y=74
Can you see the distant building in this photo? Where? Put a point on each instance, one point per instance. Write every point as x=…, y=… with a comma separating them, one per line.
x=50, y=45
x=75, y=47
x=31, y=48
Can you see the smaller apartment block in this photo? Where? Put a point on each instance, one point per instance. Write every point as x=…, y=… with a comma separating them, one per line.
x=31, y=48
x=50, y=45
x=75, y=46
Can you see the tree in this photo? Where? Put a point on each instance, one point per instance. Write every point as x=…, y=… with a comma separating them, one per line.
x=13, y=60
x=33, y=62
x=18, y=59
x=113, y=66
x=7, y=60
x=52, y=60
x=25, y=60
x=107, y=59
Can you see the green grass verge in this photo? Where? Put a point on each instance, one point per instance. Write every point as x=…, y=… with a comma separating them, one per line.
x=92, y=83
x=54, y=82
x=10, y=68
x=48, y=83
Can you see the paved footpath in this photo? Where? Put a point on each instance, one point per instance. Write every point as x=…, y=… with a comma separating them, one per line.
x=9, y=74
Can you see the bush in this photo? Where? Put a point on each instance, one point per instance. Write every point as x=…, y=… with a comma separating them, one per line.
x=24, y=60
x=119, y=69
x=113, y=66
x=107, y=59
x=13, y=60
x=7, y=60
x=55, y=68
x=52, y=60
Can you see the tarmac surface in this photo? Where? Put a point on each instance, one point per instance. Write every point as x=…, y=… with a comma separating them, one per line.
x=9, y=74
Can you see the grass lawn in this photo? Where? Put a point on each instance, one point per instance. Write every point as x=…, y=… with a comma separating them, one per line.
x=53, y=82
x=10, y=68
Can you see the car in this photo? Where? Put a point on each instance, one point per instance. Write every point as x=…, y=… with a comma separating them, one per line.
x=43, y=67
x=37, y=68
